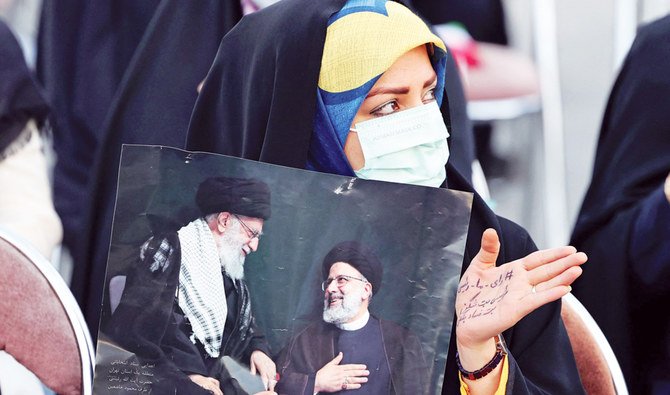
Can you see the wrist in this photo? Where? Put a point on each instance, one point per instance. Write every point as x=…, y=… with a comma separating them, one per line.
x=474, y=356
x=473, y=368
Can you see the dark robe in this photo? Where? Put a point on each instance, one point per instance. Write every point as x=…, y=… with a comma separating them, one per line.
x=316, y=345
x=84, y=47
x=628, y=296
x=260, y=105
x=152, y=105
x=20, y=97
x=149, y=323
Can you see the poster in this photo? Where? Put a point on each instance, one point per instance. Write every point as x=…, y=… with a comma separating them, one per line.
x=416, y=234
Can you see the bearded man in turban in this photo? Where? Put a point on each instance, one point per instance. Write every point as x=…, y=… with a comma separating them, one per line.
x=350, y=349
x=199, y=272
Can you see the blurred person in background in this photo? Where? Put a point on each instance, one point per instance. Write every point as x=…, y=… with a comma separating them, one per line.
x=83, y=48
x=120, y=72
x=624, y=222
x=26, y=207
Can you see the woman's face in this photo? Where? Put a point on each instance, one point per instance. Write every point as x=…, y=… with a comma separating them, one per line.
x=408, y=83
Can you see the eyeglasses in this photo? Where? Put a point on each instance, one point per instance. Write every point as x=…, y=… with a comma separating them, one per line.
x=340, y=281
x=254, y=234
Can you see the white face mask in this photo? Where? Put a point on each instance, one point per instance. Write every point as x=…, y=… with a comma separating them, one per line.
x=408, y=147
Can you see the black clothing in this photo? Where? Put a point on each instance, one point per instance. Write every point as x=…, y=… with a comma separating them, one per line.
x=260, y=104
x=83, y=50
x=152, y=105
x=318, y=344
x=149, y=323
x=483, y=19
x=20, y=97
x=632, y=161
x=366, y=346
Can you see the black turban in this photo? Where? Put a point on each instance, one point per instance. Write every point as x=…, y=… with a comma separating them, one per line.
x=242, y=196
x=360, y=257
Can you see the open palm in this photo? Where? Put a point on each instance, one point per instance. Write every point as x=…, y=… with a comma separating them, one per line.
x=492, y=298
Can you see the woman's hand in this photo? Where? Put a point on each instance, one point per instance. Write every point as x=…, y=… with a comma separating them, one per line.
x=492, y=299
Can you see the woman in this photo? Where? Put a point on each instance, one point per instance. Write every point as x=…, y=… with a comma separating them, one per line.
x=627, y=210
x=304, y=94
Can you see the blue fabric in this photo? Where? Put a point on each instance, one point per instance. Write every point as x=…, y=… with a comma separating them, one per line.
x=341, y=108
x=326, y=151
x=353, y=6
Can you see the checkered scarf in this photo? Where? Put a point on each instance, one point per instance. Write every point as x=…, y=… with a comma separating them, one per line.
x=202, y=297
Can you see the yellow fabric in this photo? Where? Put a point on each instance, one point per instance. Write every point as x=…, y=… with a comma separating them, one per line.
x=502, y=385
x=359, y=47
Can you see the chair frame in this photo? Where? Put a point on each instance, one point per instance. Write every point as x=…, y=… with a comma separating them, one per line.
x=603, y=345
x=86, y=351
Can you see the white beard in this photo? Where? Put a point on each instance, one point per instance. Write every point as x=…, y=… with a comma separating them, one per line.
x=345, y=311
x=230, y=252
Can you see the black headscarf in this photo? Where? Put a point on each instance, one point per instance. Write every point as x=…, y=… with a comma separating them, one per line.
x=259, y=102
x=152, y=106
x=20, y=97
x=632, y=160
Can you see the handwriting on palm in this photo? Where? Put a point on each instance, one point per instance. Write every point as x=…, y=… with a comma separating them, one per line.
x=491, y=299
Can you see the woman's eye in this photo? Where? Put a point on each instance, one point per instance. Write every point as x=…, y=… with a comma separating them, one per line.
x=429, y=96
x=385, y=109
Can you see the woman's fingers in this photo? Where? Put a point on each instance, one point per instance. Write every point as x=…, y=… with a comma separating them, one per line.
x=555, y=268
x=542, y=257
x=549, y=291
x=535, y=300
x=564, y=279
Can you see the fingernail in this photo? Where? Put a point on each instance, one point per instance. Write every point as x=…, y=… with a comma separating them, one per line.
x=569, y=288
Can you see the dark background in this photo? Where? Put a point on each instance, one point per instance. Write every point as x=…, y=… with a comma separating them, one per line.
x=417, y=232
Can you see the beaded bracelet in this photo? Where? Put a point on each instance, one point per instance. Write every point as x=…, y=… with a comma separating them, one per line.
x=490, y=366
